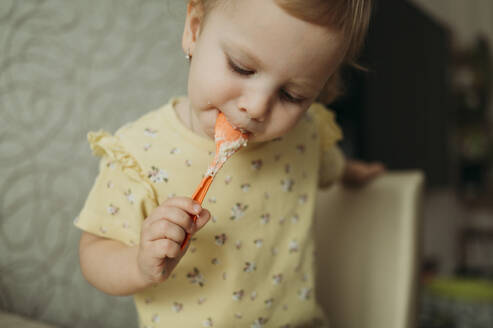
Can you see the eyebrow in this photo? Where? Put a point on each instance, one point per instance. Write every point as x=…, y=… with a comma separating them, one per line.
x=243, y=51
x=305, y=86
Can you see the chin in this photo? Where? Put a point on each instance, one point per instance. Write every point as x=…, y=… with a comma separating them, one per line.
x=210, y=132
x=260, y=138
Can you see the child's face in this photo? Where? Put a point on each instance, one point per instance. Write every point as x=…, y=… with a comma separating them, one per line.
x=258, y=65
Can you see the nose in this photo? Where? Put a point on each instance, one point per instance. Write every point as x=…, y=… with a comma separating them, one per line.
x=255, y=105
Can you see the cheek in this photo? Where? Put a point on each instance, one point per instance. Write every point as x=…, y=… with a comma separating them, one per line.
x=289, y=117
x=283, y=120
x=210, y=80
x=221, y=84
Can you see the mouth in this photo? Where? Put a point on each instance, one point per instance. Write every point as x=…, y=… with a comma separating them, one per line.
x=239, y=128
x=242, y=130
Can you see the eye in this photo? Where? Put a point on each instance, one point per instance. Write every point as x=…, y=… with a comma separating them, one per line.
x=238, y=69
x=290, y=98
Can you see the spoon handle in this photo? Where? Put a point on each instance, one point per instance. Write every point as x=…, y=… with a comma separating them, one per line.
x=198, y=196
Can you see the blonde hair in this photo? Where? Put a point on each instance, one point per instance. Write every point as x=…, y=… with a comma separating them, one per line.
x=350, y=17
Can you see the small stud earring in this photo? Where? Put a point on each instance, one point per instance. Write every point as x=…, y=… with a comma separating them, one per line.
x=188, y=57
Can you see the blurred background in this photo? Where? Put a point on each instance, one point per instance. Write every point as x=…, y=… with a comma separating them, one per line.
x=67, y=67
x=425, y=103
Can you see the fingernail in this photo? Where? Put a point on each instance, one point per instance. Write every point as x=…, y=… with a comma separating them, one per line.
x=197, y=208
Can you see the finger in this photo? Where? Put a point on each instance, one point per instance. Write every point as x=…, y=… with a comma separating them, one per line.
x=165, y=229
x=180, y=218
x=202, y=219
x=172, y=213
x=380, y=167
x=375, y=170
x=185, y=203
x=163, y=248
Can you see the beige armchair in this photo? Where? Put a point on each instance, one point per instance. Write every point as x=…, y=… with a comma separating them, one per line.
x=68, y=67
x=367, y=244
x=367, y=253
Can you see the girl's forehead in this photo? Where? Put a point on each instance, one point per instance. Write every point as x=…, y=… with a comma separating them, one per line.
x=270, y=22
x=267, y=32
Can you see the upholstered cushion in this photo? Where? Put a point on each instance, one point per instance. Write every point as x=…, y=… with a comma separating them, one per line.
x=9, y=320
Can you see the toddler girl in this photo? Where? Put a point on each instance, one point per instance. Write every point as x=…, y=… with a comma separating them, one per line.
x=262, y=63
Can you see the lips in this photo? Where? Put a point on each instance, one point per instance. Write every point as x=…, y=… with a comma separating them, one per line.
x=242, y=130
x=238, y=126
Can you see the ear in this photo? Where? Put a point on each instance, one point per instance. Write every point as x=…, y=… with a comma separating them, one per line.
x=193, y=23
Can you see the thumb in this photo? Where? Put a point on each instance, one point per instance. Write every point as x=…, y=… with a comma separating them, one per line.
x=203, y=217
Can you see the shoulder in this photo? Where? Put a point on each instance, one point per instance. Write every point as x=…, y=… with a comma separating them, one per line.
x=147, y=125
x=132, y=136
x=325, y=119
x=316, y=107
x=321, y=113
x=147, y=130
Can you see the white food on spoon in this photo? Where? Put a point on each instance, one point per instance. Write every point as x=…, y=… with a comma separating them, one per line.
x=226, y=150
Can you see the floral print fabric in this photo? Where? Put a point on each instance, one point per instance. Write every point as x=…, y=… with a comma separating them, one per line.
x=252, y=264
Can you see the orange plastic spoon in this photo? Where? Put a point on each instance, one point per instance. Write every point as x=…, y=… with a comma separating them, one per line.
x=228, y=141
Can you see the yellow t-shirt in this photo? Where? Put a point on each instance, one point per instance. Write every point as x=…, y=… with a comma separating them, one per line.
x=252, y=264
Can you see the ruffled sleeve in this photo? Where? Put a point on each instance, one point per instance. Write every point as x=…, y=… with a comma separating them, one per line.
x=332, y=161
x=121, y=197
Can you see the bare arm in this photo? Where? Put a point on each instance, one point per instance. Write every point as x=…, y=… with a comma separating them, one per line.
x=110, y=265
x=118, y=269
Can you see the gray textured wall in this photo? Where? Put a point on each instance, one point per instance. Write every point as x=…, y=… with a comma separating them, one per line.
x=67, y=67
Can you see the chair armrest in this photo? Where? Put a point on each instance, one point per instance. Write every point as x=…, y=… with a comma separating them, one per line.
x=367, y=251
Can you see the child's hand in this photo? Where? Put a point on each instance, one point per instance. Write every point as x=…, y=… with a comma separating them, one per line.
x=358, y=173
x=163, y=232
